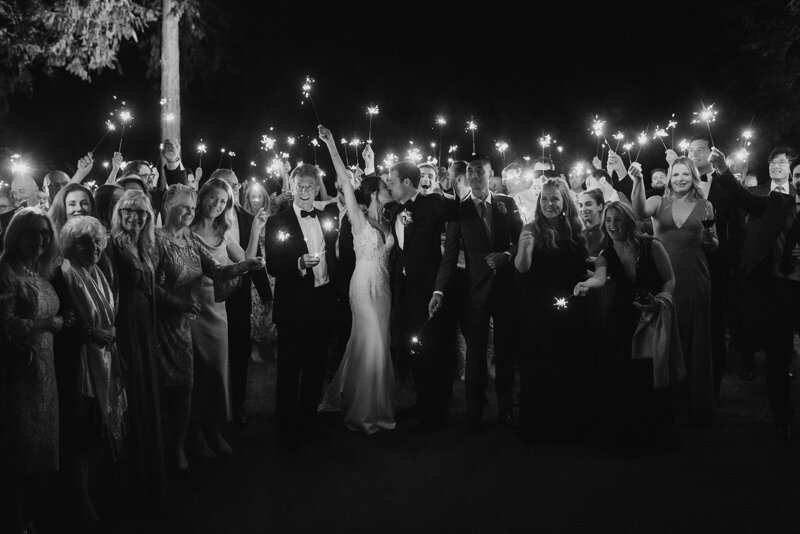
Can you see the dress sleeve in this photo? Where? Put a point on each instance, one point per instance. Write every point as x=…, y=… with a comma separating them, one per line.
x=13, y=325
x=211, y=267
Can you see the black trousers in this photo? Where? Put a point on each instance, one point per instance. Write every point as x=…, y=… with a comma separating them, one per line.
x=783, y=317
x=454, y=314
x=302, y=347
x=502, y=312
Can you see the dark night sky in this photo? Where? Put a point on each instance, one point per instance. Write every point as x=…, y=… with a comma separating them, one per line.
x=516, y=71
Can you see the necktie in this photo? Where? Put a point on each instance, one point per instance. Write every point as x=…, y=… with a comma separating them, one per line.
x=780, y=189
x=482, y=213
x=312, y=213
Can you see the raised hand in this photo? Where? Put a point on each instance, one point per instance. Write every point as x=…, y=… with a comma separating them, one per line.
x=326, y=135
x=526, y=239
x=615, y=164
x=85, y=164
x=635, y=170
x=116, y=161
x=596, y=163
x=259, y=221
x=717, y=160
x=368, y=155
x=670, y=155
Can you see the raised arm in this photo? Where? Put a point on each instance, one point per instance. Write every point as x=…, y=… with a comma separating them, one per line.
x=255, y=233
x=643, y=208
x=116, y=164
x=353, y=211
x=740, y=196
x=84, y=168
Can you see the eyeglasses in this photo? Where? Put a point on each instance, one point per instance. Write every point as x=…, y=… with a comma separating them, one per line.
x=236, y=185
x=779, y=162
x=130, y=211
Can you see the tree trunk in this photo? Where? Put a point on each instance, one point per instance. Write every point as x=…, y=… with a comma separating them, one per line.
x=170, y=72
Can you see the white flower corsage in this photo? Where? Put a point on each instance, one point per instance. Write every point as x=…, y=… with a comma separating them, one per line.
x=501, y=208
x=406, y=218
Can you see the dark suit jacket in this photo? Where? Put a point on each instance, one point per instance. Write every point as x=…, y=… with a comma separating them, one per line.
x=729, y=227
x=764, y=250
x=294, y=291
x=421, y=253
x=467, y=231
x=346, y=262
x=239, y=302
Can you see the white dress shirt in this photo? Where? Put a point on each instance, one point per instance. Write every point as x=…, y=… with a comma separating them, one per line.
x=399, y=229
x=784, y=187
x=705, y=187
x=315, y=240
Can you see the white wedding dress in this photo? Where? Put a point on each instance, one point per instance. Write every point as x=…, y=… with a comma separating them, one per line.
x=363, y=387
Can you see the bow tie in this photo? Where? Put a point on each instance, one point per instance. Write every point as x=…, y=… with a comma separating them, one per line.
x=312, y=213
x=408, y=203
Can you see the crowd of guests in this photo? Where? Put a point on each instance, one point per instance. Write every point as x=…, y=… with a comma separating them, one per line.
x=128, y=311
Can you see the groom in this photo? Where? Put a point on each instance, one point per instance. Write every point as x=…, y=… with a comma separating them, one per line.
x=488, y=228
x=301, y=255
x=416, y=223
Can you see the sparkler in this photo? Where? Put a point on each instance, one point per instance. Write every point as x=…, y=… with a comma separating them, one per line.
x=221, y=155
x=354, y=143
x=642, y=140
x=109, y=128
x=440, y=122
x=308, y=85
x=201, y=149
x=283, y=236
x=315, y=144
x=627, y=148
x=416, y=339
x=598, y=128
x=741, y=155
x=671, y=126
x=660, y=134
x=544, y=142
x=502, y=146
x=371, y=110
x=561, y=156
x=413, y=155
x=471, y=126
x=707, y=115
x=125, y=117
x=561, y=303
x=346, y=157
x=389, y=160
x=683, y=145
x=746, y=136
x=619, y=136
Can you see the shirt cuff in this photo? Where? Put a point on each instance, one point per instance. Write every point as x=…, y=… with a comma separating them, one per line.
x=507, y=252
x=439, y=293
x=302, y=271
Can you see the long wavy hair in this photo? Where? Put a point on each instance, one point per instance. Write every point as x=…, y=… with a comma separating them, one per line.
x=696, y=191
x=135, y=199
x=224, y=221
x=45, y=264
x=546, y=232
x=249, y=188
x=58, y=209
x=633, y=233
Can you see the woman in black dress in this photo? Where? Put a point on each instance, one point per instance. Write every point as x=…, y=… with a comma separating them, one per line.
x=640, y=267
x=551, y=260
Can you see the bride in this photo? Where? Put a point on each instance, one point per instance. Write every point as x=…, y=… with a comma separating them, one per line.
x=363, y=386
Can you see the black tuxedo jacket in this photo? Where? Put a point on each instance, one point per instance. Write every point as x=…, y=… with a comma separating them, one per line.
x=421, y=254
x=293, y=290
x=729, y=227
x=346, y=261
x=771, y=220
x=240, y=301
x=468, y=231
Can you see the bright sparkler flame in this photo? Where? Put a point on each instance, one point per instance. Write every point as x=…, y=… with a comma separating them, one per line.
x=18, y=167
x=741, y=155
x=502, y=146
x=373, y=110
x=282, y=236
x=659, y=133
x=560, y=303
x=560, y=149
x=471, y=125
x=747, y=134
x=327, y=225
x=545, y=141
x=441, y=120
x=290, y=140
x=683, y=144
x=231, y=153
x=125, y=116
x=413, y=155
x=267, y=142
x=343, y=141
x=201, y=148
x=642, y=139
x=452, y=149
x=598, y=126
x=105, y=164
x=627, y=146
x=315, y=142
x=707, y=115
x=307, y=86
x=671, y=125
x=619, y=136
x=110, y=126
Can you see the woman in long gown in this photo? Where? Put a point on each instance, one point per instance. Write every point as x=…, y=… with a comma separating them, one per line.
x=552, y=259
x=28, y=392
x=131, y=251
x=181, y=263
x=363, y=386
x=211, y=403
x=678, y=222
x=639, y=265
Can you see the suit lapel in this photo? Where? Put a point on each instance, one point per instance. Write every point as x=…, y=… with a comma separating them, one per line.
x=473, y=219
x=296, y=233
x=408, y=232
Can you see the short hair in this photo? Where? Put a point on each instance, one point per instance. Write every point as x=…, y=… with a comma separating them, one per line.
x=139, y=200
x=176, y=191
x=601, y=173
x=135, y=164
x=77, y=227
x=132, y=178
x=701, y=137
x=544, y=160
x=790, y=153
x=697, y=191
x=794, y=164
x=22, y=219
x=657, y=169
x=596, y=194
x=58, y=209
x=481, y=160
x=224, y=220
x=104, y=202
x=430, y=166
x=459, y=167
x=407, y=171
x=305, y=170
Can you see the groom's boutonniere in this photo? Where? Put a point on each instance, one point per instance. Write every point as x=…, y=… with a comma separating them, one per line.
x=502, y=208
x=405, y=217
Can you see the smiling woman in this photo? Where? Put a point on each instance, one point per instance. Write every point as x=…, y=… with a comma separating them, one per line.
x=71, y=201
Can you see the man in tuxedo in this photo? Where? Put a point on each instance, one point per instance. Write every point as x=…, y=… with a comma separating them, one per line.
x=722, y=261
x=768, y=262
x=416, y=223
x=239, y=304
x=488, y=228
x=301, y=255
